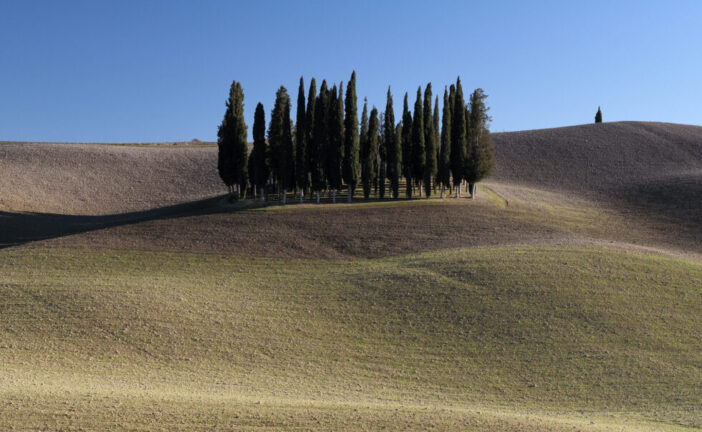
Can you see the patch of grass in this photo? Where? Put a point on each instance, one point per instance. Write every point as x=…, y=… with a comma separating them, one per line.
x=487, y=338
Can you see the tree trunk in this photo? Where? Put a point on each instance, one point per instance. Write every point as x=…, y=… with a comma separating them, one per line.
x=473, y=188
x=334, y=196
x=302, y=195
x=458, y=190
x=420, y=189
x=442, y=190
x=317, y=197
x=285, y=196
x=349, y=197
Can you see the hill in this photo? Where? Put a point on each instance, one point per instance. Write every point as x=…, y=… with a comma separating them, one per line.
x=101, y=179
x=566, y=297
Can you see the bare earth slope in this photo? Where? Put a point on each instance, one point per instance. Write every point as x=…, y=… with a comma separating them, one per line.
x=631, y=182
x=600, y=159
x=96, y=179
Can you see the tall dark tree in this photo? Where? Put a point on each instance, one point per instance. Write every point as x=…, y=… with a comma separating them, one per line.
x=444, y=164
x=232, y=158
x=310, y=127
x=258, y=168
x=319, y=140
x=287, y=175
x=393, y=155
x=458, y=137
x=418, y=151
x=481, y=158
x=280, y=142
x=437, y=139
x=598, y=116
x=370, y=154
x=351, y=139
x=407, y=146
x=366, y=154
x=429, y=142
x=335, y=143
x=301, y=134
x=382, y=156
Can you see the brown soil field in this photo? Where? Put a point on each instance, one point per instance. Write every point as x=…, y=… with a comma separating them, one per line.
x=101, y=179
x=628, y=184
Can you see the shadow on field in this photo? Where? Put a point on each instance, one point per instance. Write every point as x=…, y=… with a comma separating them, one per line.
x=20, y=228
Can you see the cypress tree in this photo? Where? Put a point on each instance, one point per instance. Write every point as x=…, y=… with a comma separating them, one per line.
x=282, y=153
x=383, y=156
x=301, y=134
x=287, y=158
x=437, y=139
x=429, y=142
x=232, y=157
x=275, y=135
x=398, y=147
x=351, y=139
x=258, y=168
x=370, y=161
x=418, y=151
x=444, y=174
x=480, y=159
x=391, y=146
x=598, y=116
x=320, y=137
x=366, y=154
x=310, y=126
x=407, y=146
x=458, y=137
x=335, y=148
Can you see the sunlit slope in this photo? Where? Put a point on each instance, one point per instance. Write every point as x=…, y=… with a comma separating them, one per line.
x=96, y=179
x=599, y=160
x=545, y=338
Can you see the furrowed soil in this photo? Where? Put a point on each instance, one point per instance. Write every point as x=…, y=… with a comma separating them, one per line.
x=134, y=296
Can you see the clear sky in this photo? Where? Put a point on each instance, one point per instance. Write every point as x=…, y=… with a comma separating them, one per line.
x=147, y=70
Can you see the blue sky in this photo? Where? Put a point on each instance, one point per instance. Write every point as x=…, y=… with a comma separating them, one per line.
x=146, y=70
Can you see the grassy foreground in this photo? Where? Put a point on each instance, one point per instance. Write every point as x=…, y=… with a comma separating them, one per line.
x=509, y=338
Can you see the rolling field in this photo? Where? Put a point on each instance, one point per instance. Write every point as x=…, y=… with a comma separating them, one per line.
x=568, y=296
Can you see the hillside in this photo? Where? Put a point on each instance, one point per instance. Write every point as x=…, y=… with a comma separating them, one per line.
x=565, y=298
x=599, y=159
x=99, y=179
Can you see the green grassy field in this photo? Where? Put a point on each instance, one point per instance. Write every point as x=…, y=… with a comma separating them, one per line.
x=502, y=338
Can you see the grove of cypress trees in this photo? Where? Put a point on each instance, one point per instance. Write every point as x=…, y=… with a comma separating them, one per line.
x=443, y=175
x=369, y=168
x=429, y=142
x=407, y=146
x=258, y=168
x=335, y=143
x=320, y=137
x=351, y=139
x=418, y=151
x=232, y=157
x=301, y=177
x=458, y=138
x=598, y=115
x=391, y=147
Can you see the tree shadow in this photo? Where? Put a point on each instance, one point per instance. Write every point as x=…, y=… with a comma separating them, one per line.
x=24, y=227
